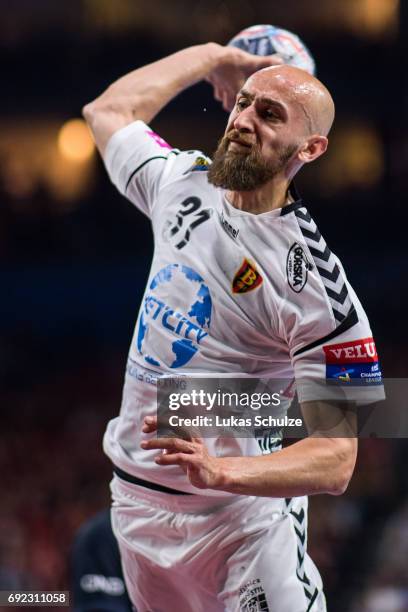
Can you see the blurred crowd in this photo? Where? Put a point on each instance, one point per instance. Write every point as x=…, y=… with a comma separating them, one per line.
x=54, y=473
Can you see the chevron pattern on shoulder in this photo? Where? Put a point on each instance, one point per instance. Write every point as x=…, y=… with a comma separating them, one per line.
x=330, y=273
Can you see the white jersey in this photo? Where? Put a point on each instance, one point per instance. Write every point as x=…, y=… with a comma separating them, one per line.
x=230, y=293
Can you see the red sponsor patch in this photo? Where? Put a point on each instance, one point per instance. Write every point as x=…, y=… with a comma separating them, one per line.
x=357, y=351
x=246, y=278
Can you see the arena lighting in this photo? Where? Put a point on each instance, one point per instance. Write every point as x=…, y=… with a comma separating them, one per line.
x=355, y=158
x=373, y=18
x=364, y=163
x=118, y=16
x=75, y=142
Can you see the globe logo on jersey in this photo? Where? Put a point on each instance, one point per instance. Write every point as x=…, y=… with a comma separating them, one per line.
x=175, y=317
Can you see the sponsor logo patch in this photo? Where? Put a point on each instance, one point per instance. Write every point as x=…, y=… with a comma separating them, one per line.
x=297, y=267
x=230, y=229
x=354, y=362
x=175, y=317
x=159, y=140
x=252, y=597
x=247, y=278
x=200, y=165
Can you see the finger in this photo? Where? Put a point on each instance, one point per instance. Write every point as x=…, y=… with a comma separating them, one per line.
x=269, y=60
x=230, y=102
x=185, y=433
x=174, y=459
x=226, y=102
x=169, y=444
x=188, y=463
x=217, y=94
x=150, y=424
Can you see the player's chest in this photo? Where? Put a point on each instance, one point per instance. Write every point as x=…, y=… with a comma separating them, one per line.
x=238, y=257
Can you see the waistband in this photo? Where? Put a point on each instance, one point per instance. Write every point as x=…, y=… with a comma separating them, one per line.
x=145, y=483
x=187, y=504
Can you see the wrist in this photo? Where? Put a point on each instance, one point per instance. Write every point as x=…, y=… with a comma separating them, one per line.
x=218, y=55
x=222, y=480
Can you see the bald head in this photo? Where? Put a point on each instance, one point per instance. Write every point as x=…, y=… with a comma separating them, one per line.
x=301, y=89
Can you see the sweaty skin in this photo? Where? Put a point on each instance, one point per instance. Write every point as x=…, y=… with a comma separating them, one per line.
x=303, y=89
x=279, y=108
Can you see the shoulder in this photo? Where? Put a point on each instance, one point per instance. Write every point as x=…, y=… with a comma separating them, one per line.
x=136, y=149
x=325, y=265
x=318, y=298
x=186, y=165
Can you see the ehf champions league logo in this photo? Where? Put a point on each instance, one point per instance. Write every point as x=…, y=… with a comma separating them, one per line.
x=175, y=317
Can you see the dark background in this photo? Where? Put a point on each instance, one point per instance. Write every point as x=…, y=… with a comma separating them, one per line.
x=74, y=257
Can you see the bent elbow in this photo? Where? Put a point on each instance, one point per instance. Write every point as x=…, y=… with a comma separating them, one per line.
x=104, y=118
x=89, y=112
x=96, y=111
x=345, y=460
x=105, y=114
x=339, y=485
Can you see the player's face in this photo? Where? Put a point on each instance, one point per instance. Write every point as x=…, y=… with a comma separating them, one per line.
x=265, y=130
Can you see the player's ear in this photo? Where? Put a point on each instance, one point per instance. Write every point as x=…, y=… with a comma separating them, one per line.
x=313, y=147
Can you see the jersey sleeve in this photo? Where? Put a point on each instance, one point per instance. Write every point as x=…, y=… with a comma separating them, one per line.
x=138, y=161
x=331, y=345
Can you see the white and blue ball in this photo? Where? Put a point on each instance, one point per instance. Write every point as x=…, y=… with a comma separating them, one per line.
x=268, y=39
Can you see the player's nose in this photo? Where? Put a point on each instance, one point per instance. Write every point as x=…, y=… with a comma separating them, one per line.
x=245, y=120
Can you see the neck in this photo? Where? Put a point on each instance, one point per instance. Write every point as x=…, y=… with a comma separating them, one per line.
x=268, y=197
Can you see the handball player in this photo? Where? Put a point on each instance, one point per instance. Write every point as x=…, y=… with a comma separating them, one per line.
x=205, y=528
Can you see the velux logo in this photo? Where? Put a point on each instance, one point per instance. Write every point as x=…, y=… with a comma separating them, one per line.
x=354, y=362
x=357, y=351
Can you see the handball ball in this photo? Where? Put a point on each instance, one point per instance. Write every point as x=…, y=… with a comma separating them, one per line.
x=268, y=39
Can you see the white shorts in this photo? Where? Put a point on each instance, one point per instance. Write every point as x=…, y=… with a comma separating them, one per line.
x=185, y=553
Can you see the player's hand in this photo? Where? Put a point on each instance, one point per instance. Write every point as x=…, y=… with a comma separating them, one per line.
x=233, y=70
x=149, y=424
x=203, y=471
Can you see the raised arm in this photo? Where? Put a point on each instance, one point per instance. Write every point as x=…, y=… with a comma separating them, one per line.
x=141, y=94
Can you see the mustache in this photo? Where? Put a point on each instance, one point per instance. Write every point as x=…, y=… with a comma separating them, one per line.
x=235, y=136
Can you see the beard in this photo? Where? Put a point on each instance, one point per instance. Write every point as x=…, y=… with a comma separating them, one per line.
x=245, y=170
